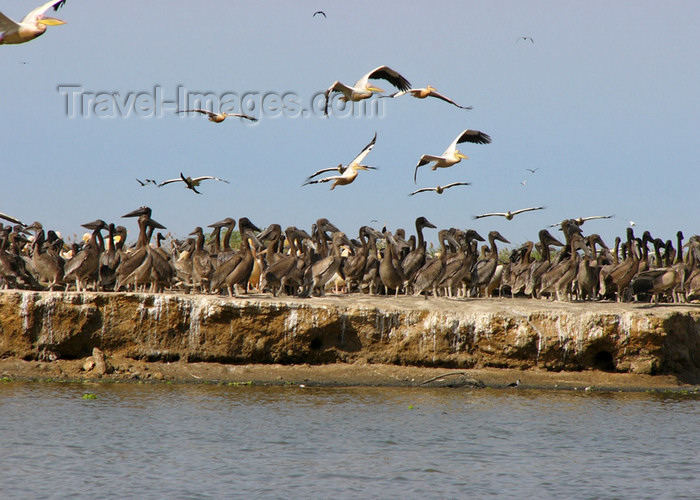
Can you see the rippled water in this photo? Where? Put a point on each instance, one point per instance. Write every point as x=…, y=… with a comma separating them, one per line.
x=202, y=441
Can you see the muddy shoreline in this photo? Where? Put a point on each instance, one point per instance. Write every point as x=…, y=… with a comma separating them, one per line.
x=125, y=370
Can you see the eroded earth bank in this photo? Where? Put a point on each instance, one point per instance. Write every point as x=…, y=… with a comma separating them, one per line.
x=347, y=340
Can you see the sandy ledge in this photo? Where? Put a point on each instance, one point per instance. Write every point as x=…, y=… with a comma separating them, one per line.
x=335, y=375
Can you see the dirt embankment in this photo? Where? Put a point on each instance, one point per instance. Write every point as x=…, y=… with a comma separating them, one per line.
x=356, y=340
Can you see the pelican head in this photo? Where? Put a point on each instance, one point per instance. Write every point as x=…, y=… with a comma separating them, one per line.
x=430, y=88
x=50, y=21
x=372, y=88
x=459, y=155
x=361, y=167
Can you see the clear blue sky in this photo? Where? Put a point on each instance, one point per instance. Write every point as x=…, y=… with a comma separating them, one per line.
x=605, y=104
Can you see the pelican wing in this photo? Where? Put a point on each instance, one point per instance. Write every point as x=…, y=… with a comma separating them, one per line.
x=422, y=190
x=242, y=115
x=205, y=177
x=325, y=179
x=492, y=214
x=358, y=159
x=395, y=94
x=452, y=184
x=38, y=13
x=440, y=96
x=593, y=217
x=210, y=114
x=339, y=168
x=473, y=136
x=424, y=160
x=384, y=73
x=7, y=24
x=170, y=181
x=336, y=87
x=516, y=212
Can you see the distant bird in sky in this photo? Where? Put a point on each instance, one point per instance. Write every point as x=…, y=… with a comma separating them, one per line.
x=440, y=189
x=452, y=155
x=218, y=117
x=363, y=89
x=532, y=170
x=428, y=91
x=9, y=218
x=523, y=182
x=320, y=12
x=348, y=173
x=192, y=183
x=31, y=26
x=525, y=39
x=508, y=215
x=581, y=220
x=147, y=181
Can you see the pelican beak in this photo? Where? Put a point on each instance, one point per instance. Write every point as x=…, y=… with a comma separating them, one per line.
x=460, y=155
x=372, y=88
x=50, y=21
x=361, y=167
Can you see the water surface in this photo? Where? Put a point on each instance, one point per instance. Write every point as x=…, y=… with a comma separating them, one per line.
x=205, y=441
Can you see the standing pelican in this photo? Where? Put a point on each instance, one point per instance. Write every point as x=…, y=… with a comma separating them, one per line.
x=428, y=91
x=218, y=117
x=192, y=183
x=440, y=189
x=349, y=172
x=363, y=89
x=32, y=26
x=508, y=215
x=452, y=156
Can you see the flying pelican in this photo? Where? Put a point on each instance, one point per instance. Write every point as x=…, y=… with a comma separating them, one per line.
x=192, y=183
x=532, y=170
x=363, y=89
x=218, y=117
x=428, y=91
x=320, y=12
x=581, y=220
x=525, y=38
x=146, y=182
x=349, y=172
x=452, y=156
x=32, y=26
x=508, y=215
x=440, y=189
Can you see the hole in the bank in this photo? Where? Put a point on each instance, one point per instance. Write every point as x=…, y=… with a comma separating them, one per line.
x=315, y=344
x=603, y=360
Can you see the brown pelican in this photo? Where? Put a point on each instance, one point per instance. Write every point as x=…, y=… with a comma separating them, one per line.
x=32, y=26
x=508, y=215
x=363, y=89
x=237, y=269
x=202, y=266
x=46, y=262
x=440, y=189
x=348, y=173
x=428, y=91
x=218, y=117
x=192, y=183
x=321, y=271
x=416, y=258
x=86, y=263
x=390, y=270
x=485, y=268
x=452, y=155
x=432, y=272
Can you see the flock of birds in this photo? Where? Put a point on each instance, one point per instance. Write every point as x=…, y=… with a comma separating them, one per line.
x=295, y=262
x=377, y=261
